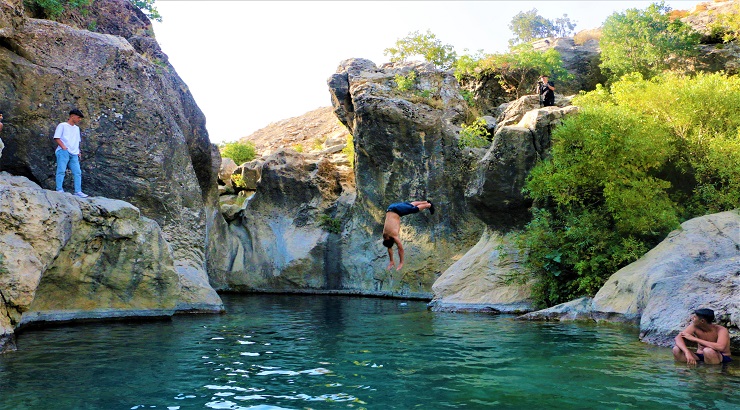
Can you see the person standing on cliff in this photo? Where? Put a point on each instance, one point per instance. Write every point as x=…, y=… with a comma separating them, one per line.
x=547, y=91
x=713, y=341
x=1, y=120
x=67, y=137
x=392, y=226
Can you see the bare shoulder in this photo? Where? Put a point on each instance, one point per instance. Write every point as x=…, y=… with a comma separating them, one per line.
x=690, y=329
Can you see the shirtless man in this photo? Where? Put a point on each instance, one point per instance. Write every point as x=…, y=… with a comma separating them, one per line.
x=392, y=227
x=713, y=340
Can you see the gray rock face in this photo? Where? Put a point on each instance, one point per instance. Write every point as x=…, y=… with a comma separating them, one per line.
x=580, y=61
x=495, y=190
x=143, y=137
x=282, y=244
x=695, y=266
x=405, y=149
x=478, y=281
x=65, y=258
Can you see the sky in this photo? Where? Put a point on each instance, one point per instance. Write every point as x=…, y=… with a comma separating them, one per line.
x=251, y=63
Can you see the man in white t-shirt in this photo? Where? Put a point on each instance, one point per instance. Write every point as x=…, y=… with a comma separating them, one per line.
x=67, y=137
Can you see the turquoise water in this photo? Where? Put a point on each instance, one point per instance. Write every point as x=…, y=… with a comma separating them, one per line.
x=321, y=352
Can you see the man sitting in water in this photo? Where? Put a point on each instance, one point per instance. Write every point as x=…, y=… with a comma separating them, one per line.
x=392, y=227
x=713, y=341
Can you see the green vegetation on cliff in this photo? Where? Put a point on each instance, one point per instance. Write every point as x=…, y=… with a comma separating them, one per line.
x=727, y=25
x=636, y=161
x=52, y=9
x=515, y=70
x=239, y=152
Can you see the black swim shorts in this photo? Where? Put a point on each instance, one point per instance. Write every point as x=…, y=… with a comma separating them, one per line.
x=402, y=208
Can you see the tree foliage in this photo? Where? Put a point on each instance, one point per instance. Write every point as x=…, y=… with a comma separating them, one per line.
x=238, y=151
x=426, y=45
x=645, y=41
x=517, y=70
x=147, y=6
x=633, y=164
x=529, y=25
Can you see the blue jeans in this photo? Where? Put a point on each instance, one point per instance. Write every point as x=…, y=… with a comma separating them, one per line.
x=64, y=159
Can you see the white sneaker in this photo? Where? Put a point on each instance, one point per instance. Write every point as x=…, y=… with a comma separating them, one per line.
x=81, y=194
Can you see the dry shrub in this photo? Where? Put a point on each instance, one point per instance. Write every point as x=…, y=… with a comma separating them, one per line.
x=677, y=14
x=585, y=35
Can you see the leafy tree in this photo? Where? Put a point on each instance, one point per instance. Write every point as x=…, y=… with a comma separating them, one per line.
x=238, y=151
x=147, y=6
x=426, y=45
x=517, y=70
x=645, y=41
x=528, y=26
x=636, y=161
x=563, y=27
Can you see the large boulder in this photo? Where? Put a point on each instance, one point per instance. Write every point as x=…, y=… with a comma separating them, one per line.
x=696, y=266
x=64, y=258
x=484, y=279
x=144, y=139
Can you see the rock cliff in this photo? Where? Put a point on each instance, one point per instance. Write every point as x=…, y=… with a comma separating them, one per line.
x=144, y=139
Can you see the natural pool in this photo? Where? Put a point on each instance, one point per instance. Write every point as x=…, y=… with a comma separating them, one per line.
x=328, y=352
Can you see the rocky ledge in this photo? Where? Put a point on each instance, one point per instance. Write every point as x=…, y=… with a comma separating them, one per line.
x=66, y=258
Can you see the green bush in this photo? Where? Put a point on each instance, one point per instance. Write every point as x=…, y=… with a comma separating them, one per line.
x=239, y=152
x=52, y=9
x=238, y=181
x=474, y=135
x=468, y=96
x=727, y=25
x=405, y=82
x=333, y=225
x=349, y=150
x=634, y=163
